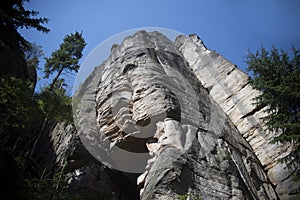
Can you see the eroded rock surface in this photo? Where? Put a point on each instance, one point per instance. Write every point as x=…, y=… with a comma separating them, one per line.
x=179, y=116
x=149, y=101
x=231, y=90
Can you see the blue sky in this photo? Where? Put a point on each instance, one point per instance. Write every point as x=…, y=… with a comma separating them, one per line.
x=230, y=27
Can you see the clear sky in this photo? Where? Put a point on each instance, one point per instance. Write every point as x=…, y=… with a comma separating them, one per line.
x=230, y=27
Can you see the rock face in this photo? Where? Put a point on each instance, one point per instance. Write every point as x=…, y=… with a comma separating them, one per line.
x=231, y=90
x=177, y=115
x=87, y=177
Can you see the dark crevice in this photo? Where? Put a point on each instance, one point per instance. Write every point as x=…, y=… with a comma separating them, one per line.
x=229, y=97
x=128, y=68
x=256, y=109
x=228, y=73
x=126, y=183
x=243, y=86
x=134, y=144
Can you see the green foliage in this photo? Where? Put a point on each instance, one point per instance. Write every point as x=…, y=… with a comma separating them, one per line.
x=182, y=197
x=14, y=16
x=32, y=58
x=55, y=104
x=24, y=115
x=33, y=54
x=53, y=100
x=15, y=101
x=66, y=57
x=192, y=197
x=46, y=187
x=19, y=111
x=278, y=77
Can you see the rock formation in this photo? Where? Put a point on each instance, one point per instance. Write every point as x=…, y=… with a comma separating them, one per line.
x=230, y=89
x=174, y=119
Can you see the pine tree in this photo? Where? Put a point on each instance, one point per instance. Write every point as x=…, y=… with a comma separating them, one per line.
x=14, y=16
x=278, y=77
x=66, y=57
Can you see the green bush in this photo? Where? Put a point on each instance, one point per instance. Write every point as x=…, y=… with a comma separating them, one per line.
x=47, y=187
x=192, y=197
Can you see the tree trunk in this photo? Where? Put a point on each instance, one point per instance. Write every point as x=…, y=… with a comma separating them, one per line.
x=56, y=78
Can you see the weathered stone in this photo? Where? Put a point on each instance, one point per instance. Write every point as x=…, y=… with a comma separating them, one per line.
x=92, y=182
x=61, y=147
x=178, y=115
x=230, y=88
x=148, y=97
x=278, y=173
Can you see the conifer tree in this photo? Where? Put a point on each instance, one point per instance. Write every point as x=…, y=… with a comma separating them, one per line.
x=65, y=58
x=278, y=77
x=14, y=16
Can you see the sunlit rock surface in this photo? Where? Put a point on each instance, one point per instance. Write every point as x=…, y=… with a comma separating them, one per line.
x=179, y=116
x=231, y=90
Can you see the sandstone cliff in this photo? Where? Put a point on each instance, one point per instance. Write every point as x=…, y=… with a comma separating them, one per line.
x=169, y=119
x=231, y=90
